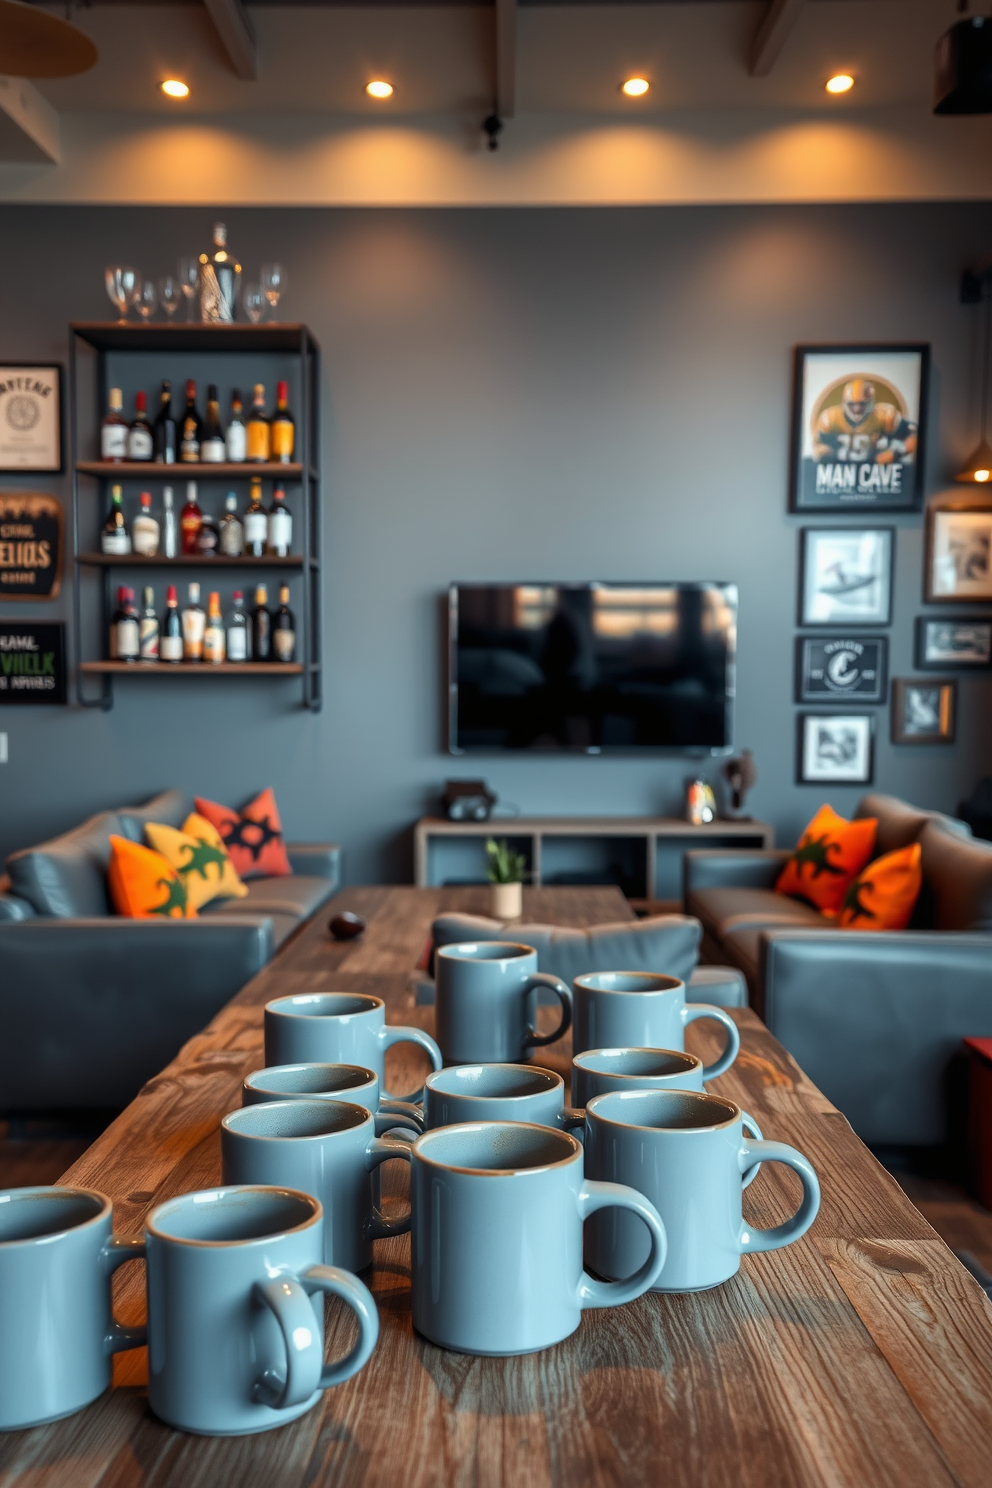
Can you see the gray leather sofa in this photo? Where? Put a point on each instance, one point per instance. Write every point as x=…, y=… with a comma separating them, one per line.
x=875, y=1018
x=92, y=1004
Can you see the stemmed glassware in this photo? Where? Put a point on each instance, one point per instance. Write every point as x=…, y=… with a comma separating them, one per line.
x=253, y=301
x=189, y=278
x=146, y=300
x=123, y=284
x=169, y=295
x=273, y=282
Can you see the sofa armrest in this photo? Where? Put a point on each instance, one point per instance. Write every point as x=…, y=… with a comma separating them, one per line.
x=12, y=906
x=318, y=859
x=91, y=1009
x=733, y=868
x=876, y=1018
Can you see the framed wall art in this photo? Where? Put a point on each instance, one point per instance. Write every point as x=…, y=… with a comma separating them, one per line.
x=858, y=419
x=959, y=553
x=837, y=669
x=964, y=642
x=846, y=575
x=31, y=417
x=30, y=545
x=923, y=710
x=32, y=663
x=835, y=748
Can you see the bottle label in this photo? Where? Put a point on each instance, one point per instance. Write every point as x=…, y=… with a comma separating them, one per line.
x=139, y=443
x=144, y=536
x=127, y=639
x=258, y=441
x=284, y=644
x=280, y=531
x=148, y=641
x=113, y=442
x=237, y=643
x=256, y=527
x=171, y=648
x=116, y=542
x=213, y=451
x=213, y=644
x=237, y=442
x=232, y=540
x=194, y=624
x=282, y=440
x=189, y=449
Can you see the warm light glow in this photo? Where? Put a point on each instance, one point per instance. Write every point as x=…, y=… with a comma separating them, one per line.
x=843, y=82
x=635, y=87
x=175, y=88
x=379, y=89
x=982, y=475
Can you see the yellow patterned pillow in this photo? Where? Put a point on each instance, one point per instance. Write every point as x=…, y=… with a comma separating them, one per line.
x=199, y=857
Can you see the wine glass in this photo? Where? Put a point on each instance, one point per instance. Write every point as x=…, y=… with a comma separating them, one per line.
x=273, y=282
x=253, y=302
x=122, y=284
x=189, y=278
x=146, y=300
x=169, y=295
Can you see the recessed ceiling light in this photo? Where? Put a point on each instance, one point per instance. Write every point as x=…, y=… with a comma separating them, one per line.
x=635, y=87
x=841, y=82
x=175, y=88
x=379, y=89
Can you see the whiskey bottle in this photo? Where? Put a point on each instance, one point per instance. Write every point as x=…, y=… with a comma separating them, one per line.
x=283, y=629
x=256, y=523
x=114, y=430
x=213, y=450
x=190, y=521
x=170, y=536
x=125, y=643
x=148, y=627
x=236, y=439
x=170, y=643
x=232, y=533
x=115, y=619
x=115, y=538
x=220, y=274
x=236, y=630
x=144, y=529
x=261, y=627
x=283, y=431
x=194, y=624
x=164, y=429
x=191, y=428
x=213, y=636
x=140, y=445
x=258, y=429
x=280, y=529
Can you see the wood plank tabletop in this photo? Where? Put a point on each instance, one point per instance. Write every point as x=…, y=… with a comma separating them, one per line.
x=860, y=1355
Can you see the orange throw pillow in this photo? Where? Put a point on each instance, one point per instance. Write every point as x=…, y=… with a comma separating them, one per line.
x=144, y=885
x=829, y=856
x=252, y=837
x=883, y=896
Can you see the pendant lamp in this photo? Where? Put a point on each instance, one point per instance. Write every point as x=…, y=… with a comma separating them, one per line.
x=977, y=469
x=34, y=44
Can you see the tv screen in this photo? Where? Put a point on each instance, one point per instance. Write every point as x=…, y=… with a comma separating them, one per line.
x=591, y=667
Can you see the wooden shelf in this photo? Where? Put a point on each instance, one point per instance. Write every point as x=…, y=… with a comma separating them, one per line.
x=206, y=470
x=193, y=560
x=193, y=668
x=196, y=336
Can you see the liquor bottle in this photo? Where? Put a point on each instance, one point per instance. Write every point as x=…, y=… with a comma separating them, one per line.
x=283, y=629
x=191, y=428
x=213, y=635
x=232, y=533
x=258, y=429
x=144, y=529
x=208, y=537
x=256, y=523
x=115, y=537
x=261, y=627
x=140, y=445
x=148, y=627
x=114, y=430
x=283, y=430
x=219, y=277
x=170, y=643
x=236, y=439
x=190, y=521
x=164, y=429
x=194, y=624
x=125, y=640
x=280, y=529
x=213, y=450
x=115, y=619
x=170, y=535
x=236, y=630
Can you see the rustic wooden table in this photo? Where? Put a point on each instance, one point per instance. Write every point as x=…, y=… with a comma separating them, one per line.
x=861, y=1355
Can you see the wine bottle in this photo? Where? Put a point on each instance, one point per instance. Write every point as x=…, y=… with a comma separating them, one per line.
x=194, y=624
x=283, y=629
x=213, y=636
x=127, y=635
x=256, y=523
x=283, y=430
x=213, y=450
x=208, y=537
x=115, y=619
x=191, y=429
x=261, y=627
x=140, y=444
x=164, y=429
x=220, y=274
x=280, y=529
x=232, y=533
x=236, y=439
x=114, y=430
x=144, y=529
x=170, y=538
x=258, y=432
x=236, y=630
x=190, y=521
x=115, y=538
x=170, y=643
x=148, y=627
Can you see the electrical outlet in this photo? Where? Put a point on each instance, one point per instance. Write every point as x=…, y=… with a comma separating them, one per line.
x=3, y=749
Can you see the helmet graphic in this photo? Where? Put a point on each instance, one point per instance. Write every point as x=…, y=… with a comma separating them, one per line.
x=858, y=400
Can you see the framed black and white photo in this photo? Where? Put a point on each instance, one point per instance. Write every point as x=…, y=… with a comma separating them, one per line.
x=31, y=417
x=923, y=710
x=858, y=420
x=964, y=642
x=836, y=748
x=959, y=553
x=838, y=669
x=846, y=575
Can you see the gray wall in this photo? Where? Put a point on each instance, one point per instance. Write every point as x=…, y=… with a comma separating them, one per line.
x=517, y=394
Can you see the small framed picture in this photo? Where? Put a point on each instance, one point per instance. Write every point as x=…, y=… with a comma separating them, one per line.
x=964, y=642
x=835, y=669
x=923, y=710
x=858, y=420
x=846, y=575
x=836, y=748
x=31, y=417
x=959, y=553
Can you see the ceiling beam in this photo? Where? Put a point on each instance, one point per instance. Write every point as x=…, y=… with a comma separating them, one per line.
x=29, y=126
x=506, y=58
x=237, y=35
x=773, y=32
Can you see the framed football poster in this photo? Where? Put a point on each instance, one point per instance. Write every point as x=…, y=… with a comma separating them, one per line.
x=31, y=417
x=858, y=420
x=837, y=669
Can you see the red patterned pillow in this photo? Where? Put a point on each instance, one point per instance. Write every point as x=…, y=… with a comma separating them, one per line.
x=252, y=836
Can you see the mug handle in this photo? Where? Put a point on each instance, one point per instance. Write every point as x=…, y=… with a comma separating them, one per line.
x=390, y=1034
x=411, y=1112
x=755, y=1131
x=292, y=1309
x=380, y=1150
x=750, y=1155
x=114, y=1254
x=339, y=1283
x=694, y=1010
x=534, y=1039
x=594, y=1195
x=572, y=1119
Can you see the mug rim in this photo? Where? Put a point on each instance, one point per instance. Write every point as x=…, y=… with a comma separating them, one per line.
x=433, y=1081
x=517, y=950
x=232, y=1121
x=673, y=983
x=185, y=1200
x=578, y=1061
x=250, y=1081
x=56, y=1190
x=444, y=1133
x=283, y=1007
x=635, y=1096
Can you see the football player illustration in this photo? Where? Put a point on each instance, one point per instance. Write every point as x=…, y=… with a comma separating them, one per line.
x=860, y=429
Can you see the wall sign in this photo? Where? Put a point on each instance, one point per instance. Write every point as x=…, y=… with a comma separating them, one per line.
x=836, y=668
x=31, y=417
x=32, y=663
x=30, y=545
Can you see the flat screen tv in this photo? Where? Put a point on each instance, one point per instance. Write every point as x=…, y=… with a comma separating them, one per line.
x=591, y=668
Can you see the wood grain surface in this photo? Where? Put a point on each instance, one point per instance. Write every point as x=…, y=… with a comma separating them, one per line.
x=861, y=1355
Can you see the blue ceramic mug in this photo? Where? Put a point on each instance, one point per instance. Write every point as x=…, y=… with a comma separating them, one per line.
x=339, y=1028
x=345, y=1082
x=642, y=1010
x=494, y=1092
x=485, y=1002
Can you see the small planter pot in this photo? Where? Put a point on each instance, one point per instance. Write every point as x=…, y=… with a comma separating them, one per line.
x=507, y=901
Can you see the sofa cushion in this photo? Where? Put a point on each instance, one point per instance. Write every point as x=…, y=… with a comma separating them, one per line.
x=253, y=836
x=665, y=943
x=200, y=859
x=297, y=897
x=67, y=876
x=283, y=925
x=144, y=885
x=170, y=807
x=899, y=824
x=883, y=895
x=829, y=855
x=957, y=880
x=722, y=910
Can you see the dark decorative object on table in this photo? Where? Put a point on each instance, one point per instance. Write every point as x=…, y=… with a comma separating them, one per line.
x=977, y=810
x=923, y=710
x=741, y=775
x=346, y=926
x=468, y=800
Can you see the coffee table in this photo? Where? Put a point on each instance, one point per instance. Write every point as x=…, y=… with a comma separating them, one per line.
x=861, y=1355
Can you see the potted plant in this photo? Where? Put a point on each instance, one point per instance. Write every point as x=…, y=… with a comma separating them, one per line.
x=506, y=871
